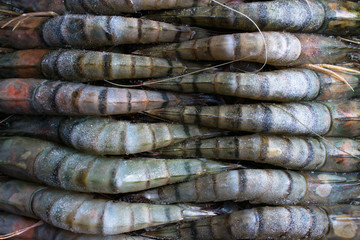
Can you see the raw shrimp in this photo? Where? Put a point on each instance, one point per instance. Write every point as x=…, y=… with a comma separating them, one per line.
x=282, y=85
x=339, y=119
x=291, y=222
x=35, y=96
x=89, y=31
x=11, y=223
x=111, y=7
x=279, y=49
x=83, y=66
x=103, y=135
x=304, y=153
x=277, y=187
x=85, y=213
x=57, y=166
x=322, y=16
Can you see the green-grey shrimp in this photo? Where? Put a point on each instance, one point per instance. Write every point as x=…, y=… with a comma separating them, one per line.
x=276, y=187
x=86, y=213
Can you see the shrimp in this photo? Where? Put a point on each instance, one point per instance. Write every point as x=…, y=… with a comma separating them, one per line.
x=300, y=153
x=109, y=7
x=281, y=49
x=102, y=135
x=83, y=66
x=84, y=213
x=290, y=222
x=321, y=16
x=11, y=223
x=339, y=119
x=282, y=85
x=36, y=96
x=89, y=31
x=57, y=166
x=276, y=187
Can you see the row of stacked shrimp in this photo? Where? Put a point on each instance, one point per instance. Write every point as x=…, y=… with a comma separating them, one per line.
x=155, y=186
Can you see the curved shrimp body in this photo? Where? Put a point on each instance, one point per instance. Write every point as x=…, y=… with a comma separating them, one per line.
x=36, y=96
x=281, y=85
x=11, y=223
x=340, y=119
x=65, y=168
x=89, y=31
x=110, y=7
x=277, y=187
x=105, y=136
x=84, y=213
x=283, y=49
x=321, y=16
x=83, y=66
x=300, y=153
x=291, y=222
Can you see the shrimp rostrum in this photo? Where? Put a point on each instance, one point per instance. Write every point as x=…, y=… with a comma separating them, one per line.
x=36, y=96
x=57, y=166
x=89, y=31
x=11, y=223
x=110, y=7
x=84, y=213
x=276, y=187
x=299, y=153
x=279, y=49
x=102, y=135
x=84, y=66
x=291, y=222
x=339, y=119
x=320, y=16
x=288, y=85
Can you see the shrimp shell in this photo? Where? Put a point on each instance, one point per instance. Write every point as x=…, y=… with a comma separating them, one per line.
x=299, y=153
x=109, y=7
x=283, y=49
x=89, y=31
x=339, y=119
x=84, y=213
x=84, y=66
x=35, y=96
x=276, y=187
x=11, y=223
x=329, y=16
x=290, y=222
x=282, y=85
x=104, y=136
x=34, y=159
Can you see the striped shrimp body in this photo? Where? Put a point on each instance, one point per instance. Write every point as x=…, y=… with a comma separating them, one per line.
x=84, y=66
x=89, y=31
x=276, y=187
x=110, y=7
x=62, y=167
x=11, y=223
x=36, y=96
x=283, y=49
x=281, y=85
x=300, y=153
x=321, y=16
x=84, y=213
x=291, y=222
x=339, y=119
x=104, y=136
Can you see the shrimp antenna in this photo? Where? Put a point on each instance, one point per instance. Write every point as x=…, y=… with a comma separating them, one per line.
x=325, y=69
x=18, y=232
x=25, y=16
x=315, y=133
